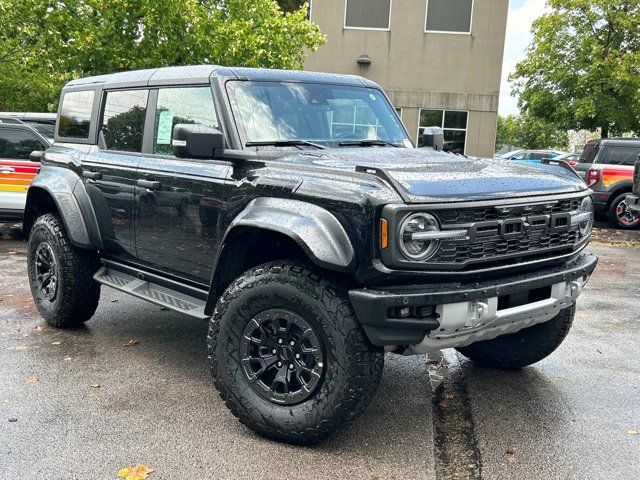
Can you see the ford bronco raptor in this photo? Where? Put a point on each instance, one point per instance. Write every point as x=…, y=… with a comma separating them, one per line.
x=292, y=211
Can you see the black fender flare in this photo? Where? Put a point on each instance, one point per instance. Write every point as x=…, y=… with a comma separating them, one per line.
x=72, y=203
x=316, y=230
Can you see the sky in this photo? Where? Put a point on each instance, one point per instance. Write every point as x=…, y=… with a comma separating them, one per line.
x=522, y=13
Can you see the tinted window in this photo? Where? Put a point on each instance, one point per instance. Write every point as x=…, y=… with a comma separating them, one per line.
x=17, y=144
x=123, y=120
x=44, y=129
x=368, y=13
x=181, y=105
x=75, y=114
x=618, y=155
x=449, y=15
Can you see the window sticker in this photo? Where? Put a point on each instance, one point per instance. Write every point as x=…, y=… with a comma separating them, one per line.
x=165, y=125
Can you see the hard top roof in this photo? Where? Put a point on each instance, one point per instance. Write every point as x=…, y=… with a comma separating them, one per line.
x=195, y=74
x=620, y=141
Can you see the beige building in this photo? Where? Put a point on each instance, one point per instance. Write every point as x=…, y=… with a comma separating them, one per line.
x=440, y=61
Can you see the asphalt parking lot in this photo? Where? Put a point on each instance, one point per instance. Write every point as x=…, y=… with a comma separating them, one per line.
x=82, y=404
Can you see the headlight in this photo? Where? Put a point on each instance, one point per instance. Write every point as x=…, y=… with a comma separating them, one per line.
x=411, y=245
x=585, y=216
x=586, y=207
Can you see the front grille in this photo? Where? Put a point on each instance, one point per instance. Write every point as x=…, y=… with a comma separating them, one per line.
x=471, y=215
x=492, y=249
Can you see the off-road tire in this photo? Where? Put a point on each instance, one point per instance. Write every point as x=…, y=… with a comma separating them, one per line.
x=523, y=348
x=353, y=366
x=77, y=294
x=612, y=214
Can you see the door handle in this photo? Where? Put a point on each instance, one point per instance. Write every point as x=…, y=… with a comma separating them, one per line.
x=150, y=184
x=91, y=175
x=7, y=170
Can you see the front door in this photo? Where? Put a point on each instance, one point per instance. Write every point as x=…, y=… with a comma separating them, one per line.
x=109, y=170
x=181, y=203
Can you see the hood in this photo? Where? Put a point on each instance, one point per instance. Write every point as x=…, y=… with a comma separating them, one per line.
x=425, y=175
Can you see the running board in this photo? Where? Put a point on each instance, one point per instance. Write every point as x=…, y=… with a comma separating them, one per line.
x=141, y=286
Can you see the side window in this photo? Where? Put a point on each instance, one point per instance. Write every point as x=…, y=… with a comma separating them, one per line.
x=75, y=114
x=618, y=155
x=181, y=105
x=17, y=144
x=123, y=119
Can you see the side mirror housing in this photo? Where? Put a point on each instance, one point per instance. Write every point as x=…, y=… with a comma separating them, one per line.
x=196, y=141
x=433, y=137
x=36, y=156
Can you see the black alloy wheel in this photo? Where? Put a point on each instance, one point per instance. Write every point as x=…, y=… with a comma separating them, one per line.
x=282, y=356
x=46, y=271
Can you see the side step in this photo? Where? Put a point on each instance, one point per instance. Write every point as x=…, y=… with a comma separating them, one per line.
x=146, y=286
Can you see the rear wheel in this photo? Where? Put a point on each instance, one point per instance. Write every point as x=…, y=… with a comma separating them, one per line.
x=288, y=356
x=61, y=275
x=621, y=216
x=523, y=348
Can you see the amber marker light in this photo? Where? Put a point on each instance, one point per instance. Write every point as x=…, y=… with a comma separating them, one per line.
x=384, y=233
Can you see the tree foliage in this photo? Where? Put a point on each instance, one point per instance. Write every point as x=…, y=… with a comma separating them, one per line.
x=529, y=132
x=44, y=43
x=582, y=70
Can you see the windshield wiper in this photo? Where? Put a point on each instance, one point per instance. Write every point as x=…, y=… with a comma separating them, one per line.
x=367, y=143
x=284, y=143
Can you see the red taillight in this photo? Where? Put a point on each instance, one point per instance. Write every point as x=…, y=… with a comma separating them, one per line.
x=593, y=177
x=572, y=163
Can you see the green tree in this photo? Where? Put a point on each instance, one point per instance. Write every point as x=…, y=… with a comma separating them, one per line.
x=291, y=5
x=529, y=132
x=582, y=70
x=44, y=43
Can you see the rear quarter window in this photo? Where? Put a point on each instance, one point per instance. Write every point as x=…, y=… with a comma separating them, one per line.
x=618, y=155
x=75, y=114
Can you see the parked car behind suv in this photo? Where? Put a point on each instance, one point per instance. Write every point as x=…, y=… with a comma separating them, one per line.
x=311, y=233
x=17, y=141
x=633, y=199
x=611, y=179
x=531, y=156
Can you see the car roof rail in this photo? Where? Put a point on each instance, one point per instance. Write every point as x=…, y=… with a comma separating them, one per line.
x=11, y=120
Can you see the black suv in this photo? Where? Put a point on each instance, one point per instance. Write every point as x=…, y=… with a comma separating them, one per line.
x=292, y=211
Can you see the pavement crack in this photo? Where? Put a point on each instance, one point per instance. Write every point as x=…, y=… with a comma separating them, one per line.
x=457, y=455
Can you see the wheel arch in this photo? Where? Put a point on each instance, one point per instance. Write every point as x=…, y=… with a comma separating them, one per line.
x=274, y=229
x=63, y=193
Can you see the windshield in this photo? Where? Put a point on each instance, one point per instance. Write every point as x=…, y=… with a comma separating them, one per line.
x=328, y=115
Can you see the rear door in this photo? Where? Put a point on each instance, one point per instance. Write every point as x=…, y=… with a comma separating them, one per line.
x=16, y=170
x=618, y=162
x=182, y=202
x=109, y=169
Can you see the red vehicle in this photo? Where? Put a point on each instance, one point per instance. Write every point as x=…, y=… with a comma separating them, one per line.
x=611, y=179
x=17, y=140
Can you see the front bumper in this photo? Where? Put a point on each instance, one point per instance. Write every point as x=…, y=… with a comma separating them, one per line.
x=452, y=315
x=634, y=202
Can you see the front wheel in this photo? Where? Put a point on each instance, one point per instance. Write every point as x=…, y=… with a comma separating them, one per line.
x=60, y=275
x=523, y=348
x=288, y=356
x=621, y=216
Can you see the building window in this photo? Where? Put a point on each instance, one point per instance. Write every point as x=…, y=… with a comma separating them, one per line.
x=454, y=124
x=449, y=16
x=367, y=14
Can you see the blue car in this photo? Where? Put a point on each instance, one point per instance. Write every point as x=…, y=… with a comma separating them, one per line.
x=530, y=156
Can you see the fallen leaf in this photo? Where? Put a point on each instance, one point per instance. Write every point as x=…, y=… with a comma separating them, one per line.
x=2, y=402
x=443, y=404
x=511, y=459
x=95, y=385
x=131, y=343
x=31, y=379
x=56, y=343
x=450, y=396
x=139, y=472
x=22, y=347
x=511, y=451
x=632, y=431
x=67, y=359
x=39, y=328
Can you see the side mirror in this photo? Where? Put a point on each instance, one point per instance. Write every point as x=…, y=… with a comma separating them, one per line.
x=433, y=137
x=196, y=141
x=36, y=156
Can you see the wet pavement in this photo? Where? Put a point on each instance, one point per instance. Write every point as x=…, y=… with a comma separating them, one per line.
x=79, y=404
